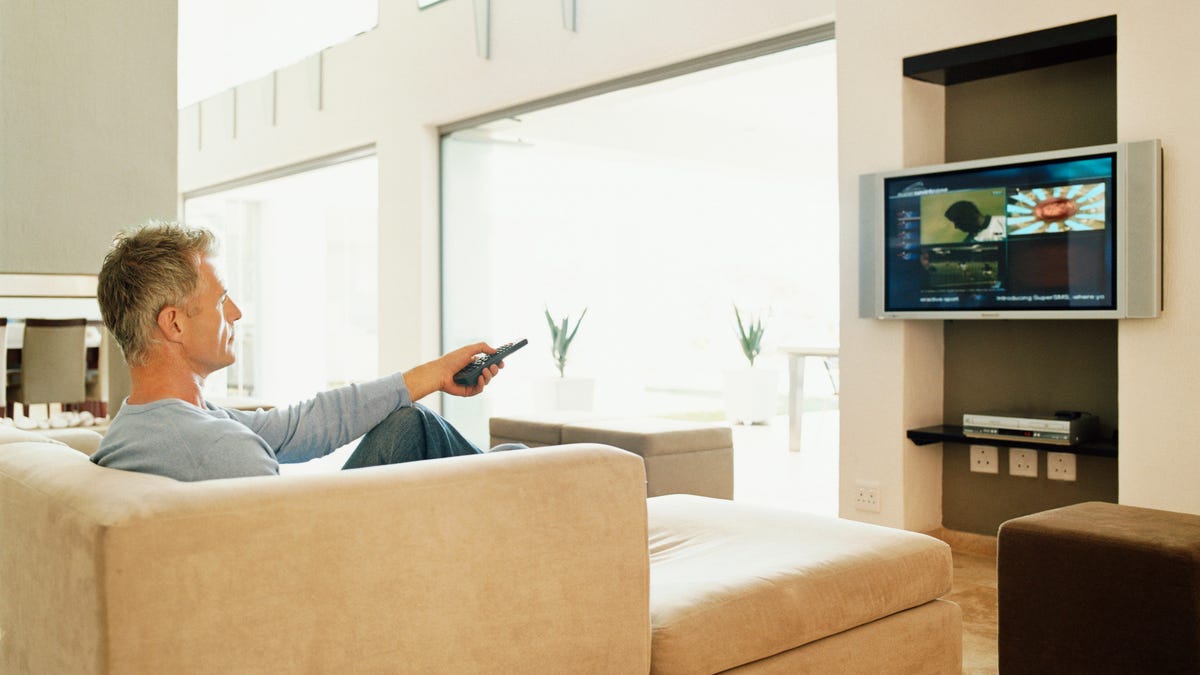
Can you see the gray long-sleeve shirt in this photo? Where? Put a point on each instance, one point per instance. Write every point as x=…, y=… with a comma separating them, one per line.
x=176, y=439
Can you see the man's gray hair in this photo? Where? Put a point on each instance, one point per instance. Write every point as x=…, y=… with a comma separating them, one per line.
x=148, y=268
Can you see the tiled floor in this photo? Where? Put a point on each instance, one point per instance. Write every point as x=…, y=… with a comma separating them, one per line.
x=766, y=472
x=975, y=592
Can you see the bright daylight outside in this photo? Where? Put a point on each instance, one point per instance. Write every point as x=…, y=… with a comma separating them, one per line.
x=299, y=255
x=658, y=210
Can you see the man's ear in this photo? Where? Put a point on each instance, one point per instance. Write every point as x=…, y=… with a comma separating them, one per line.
x=170, y=323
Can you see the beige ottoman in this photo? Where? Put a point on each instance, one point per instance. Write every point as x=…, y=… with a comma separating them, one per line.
x=680, y=457
x=538, y=429
x=745, y=588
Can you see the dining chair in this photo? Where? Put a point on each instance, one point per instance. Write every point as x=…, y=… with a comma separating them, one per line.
x=54, y=362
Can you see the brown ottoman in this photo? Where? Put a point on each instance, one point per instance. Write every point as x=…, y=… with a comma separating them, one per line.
x=1099, y=588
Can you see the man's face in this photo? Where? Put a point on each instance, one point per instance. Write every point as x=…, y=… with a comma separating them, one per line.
x=210, y=314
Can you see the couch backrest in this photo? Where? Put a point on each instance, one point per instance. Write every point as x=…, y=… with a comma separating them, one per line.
x=528, y=561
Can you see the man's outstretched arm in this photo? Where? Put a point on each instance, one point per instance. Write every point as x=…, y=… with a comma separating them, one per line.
x=333, y=418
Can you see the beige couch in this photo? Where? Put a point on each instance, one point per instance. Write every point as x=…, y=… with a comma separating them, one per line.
x=512, y=562
x=519, y=562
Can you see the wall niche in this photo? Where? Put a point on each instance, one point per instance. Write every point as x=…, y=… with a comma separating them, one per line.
x=1046, y=90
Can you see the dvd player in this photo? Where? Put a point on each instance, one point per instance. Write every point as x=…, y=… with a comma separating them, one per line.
x=1064, y=428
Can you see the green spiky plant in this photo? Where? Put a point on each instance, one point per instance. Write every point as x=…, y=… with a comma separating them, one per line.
x=561, y=336
x=751, y=338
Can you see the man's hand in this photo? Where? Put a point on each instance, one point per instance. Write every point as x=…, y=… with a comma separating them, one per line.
x=438, y=374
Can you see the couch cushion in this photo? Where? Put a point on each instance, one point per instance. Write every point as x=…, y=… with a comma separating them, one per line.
x=82, y=439
x=650, y=436
x=14, y=435
x=732, y=583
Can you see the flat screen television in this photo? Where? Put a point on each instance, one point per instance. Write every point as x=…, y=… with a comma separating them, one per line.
x=1064, y=234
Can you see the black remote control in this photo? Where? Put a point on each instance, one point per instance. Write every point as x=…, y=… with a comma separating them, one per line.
x=468, y=376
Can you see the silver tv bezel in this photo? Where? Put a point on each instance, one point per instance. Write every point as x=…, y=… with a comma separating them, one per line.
x=1138, y=236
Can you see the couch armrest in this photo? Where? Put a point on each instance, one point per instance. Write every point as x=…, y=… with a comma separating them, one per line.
x=528, y=561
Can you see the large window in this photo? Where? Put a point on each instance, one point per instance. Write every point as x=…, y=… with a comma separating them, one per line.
x=658, y=209
x=300, y=257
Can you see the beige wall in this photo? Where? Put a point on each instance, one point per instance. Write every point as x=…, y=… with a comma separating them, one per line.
x=87, y=134
x=1158, y=362
x=394, y=86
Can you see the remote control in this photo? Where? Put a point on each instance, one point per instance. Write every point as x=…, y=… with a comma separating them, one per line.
x=468, y=376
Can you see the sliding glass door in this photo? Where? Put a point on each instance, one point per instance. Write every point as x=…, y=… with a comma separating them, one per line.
x=658, y=209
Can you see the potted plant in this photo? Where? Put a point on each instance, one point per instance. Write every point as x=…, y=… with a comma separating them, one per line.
x=567, y=393
x=561, y=337
x=751, y=340
x=750, y=392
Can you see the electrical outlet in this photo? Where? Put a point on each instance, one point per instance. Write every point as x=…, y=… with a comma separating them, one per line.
x=983, y=459
x=1060, y=466
x=1022, y=462
x=866, y=496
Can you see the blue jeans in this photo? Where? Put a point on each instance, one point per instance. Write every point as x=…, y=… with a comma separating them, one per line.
x=407, y=435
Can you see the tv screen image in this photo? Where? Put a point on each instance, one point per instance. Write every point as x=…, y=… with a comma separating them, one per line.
x=1038, y=236
x=1015, y=237
x=1062, y=208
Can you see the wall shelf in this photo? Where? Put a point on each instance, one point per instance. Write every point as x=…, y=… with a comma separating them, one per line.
x=948, y=433
x=1039, y=49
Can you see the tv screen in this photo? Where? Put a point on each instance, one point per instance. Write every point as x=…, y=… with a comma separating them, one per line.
x=1039, y=236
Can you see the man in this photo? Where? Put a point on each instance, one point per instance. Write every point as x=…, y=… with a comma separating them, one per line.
x=162, y=298
x=966, y=217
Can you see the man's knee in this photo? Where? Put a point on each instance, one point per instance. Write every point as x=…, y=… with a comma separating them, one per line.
x=414, y=414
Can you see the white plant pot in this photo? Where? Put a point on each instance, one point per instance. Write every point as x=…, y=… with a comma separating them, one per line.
x=567, y=393
x=751, y=394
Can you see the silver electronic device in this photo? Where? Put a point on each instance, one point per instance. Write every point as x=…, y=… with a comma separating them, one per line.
x=1062, y=428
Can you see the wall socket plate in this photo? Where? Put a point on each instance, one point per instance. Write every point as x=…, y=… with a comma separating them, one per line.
x=866, y=496
x=1022, y=462
x=1060, y=466
x=984, y=459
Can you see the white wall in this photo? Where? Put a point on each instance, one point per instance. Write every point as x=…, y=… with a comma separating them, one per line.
x=891, y=371
x=87, y=130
